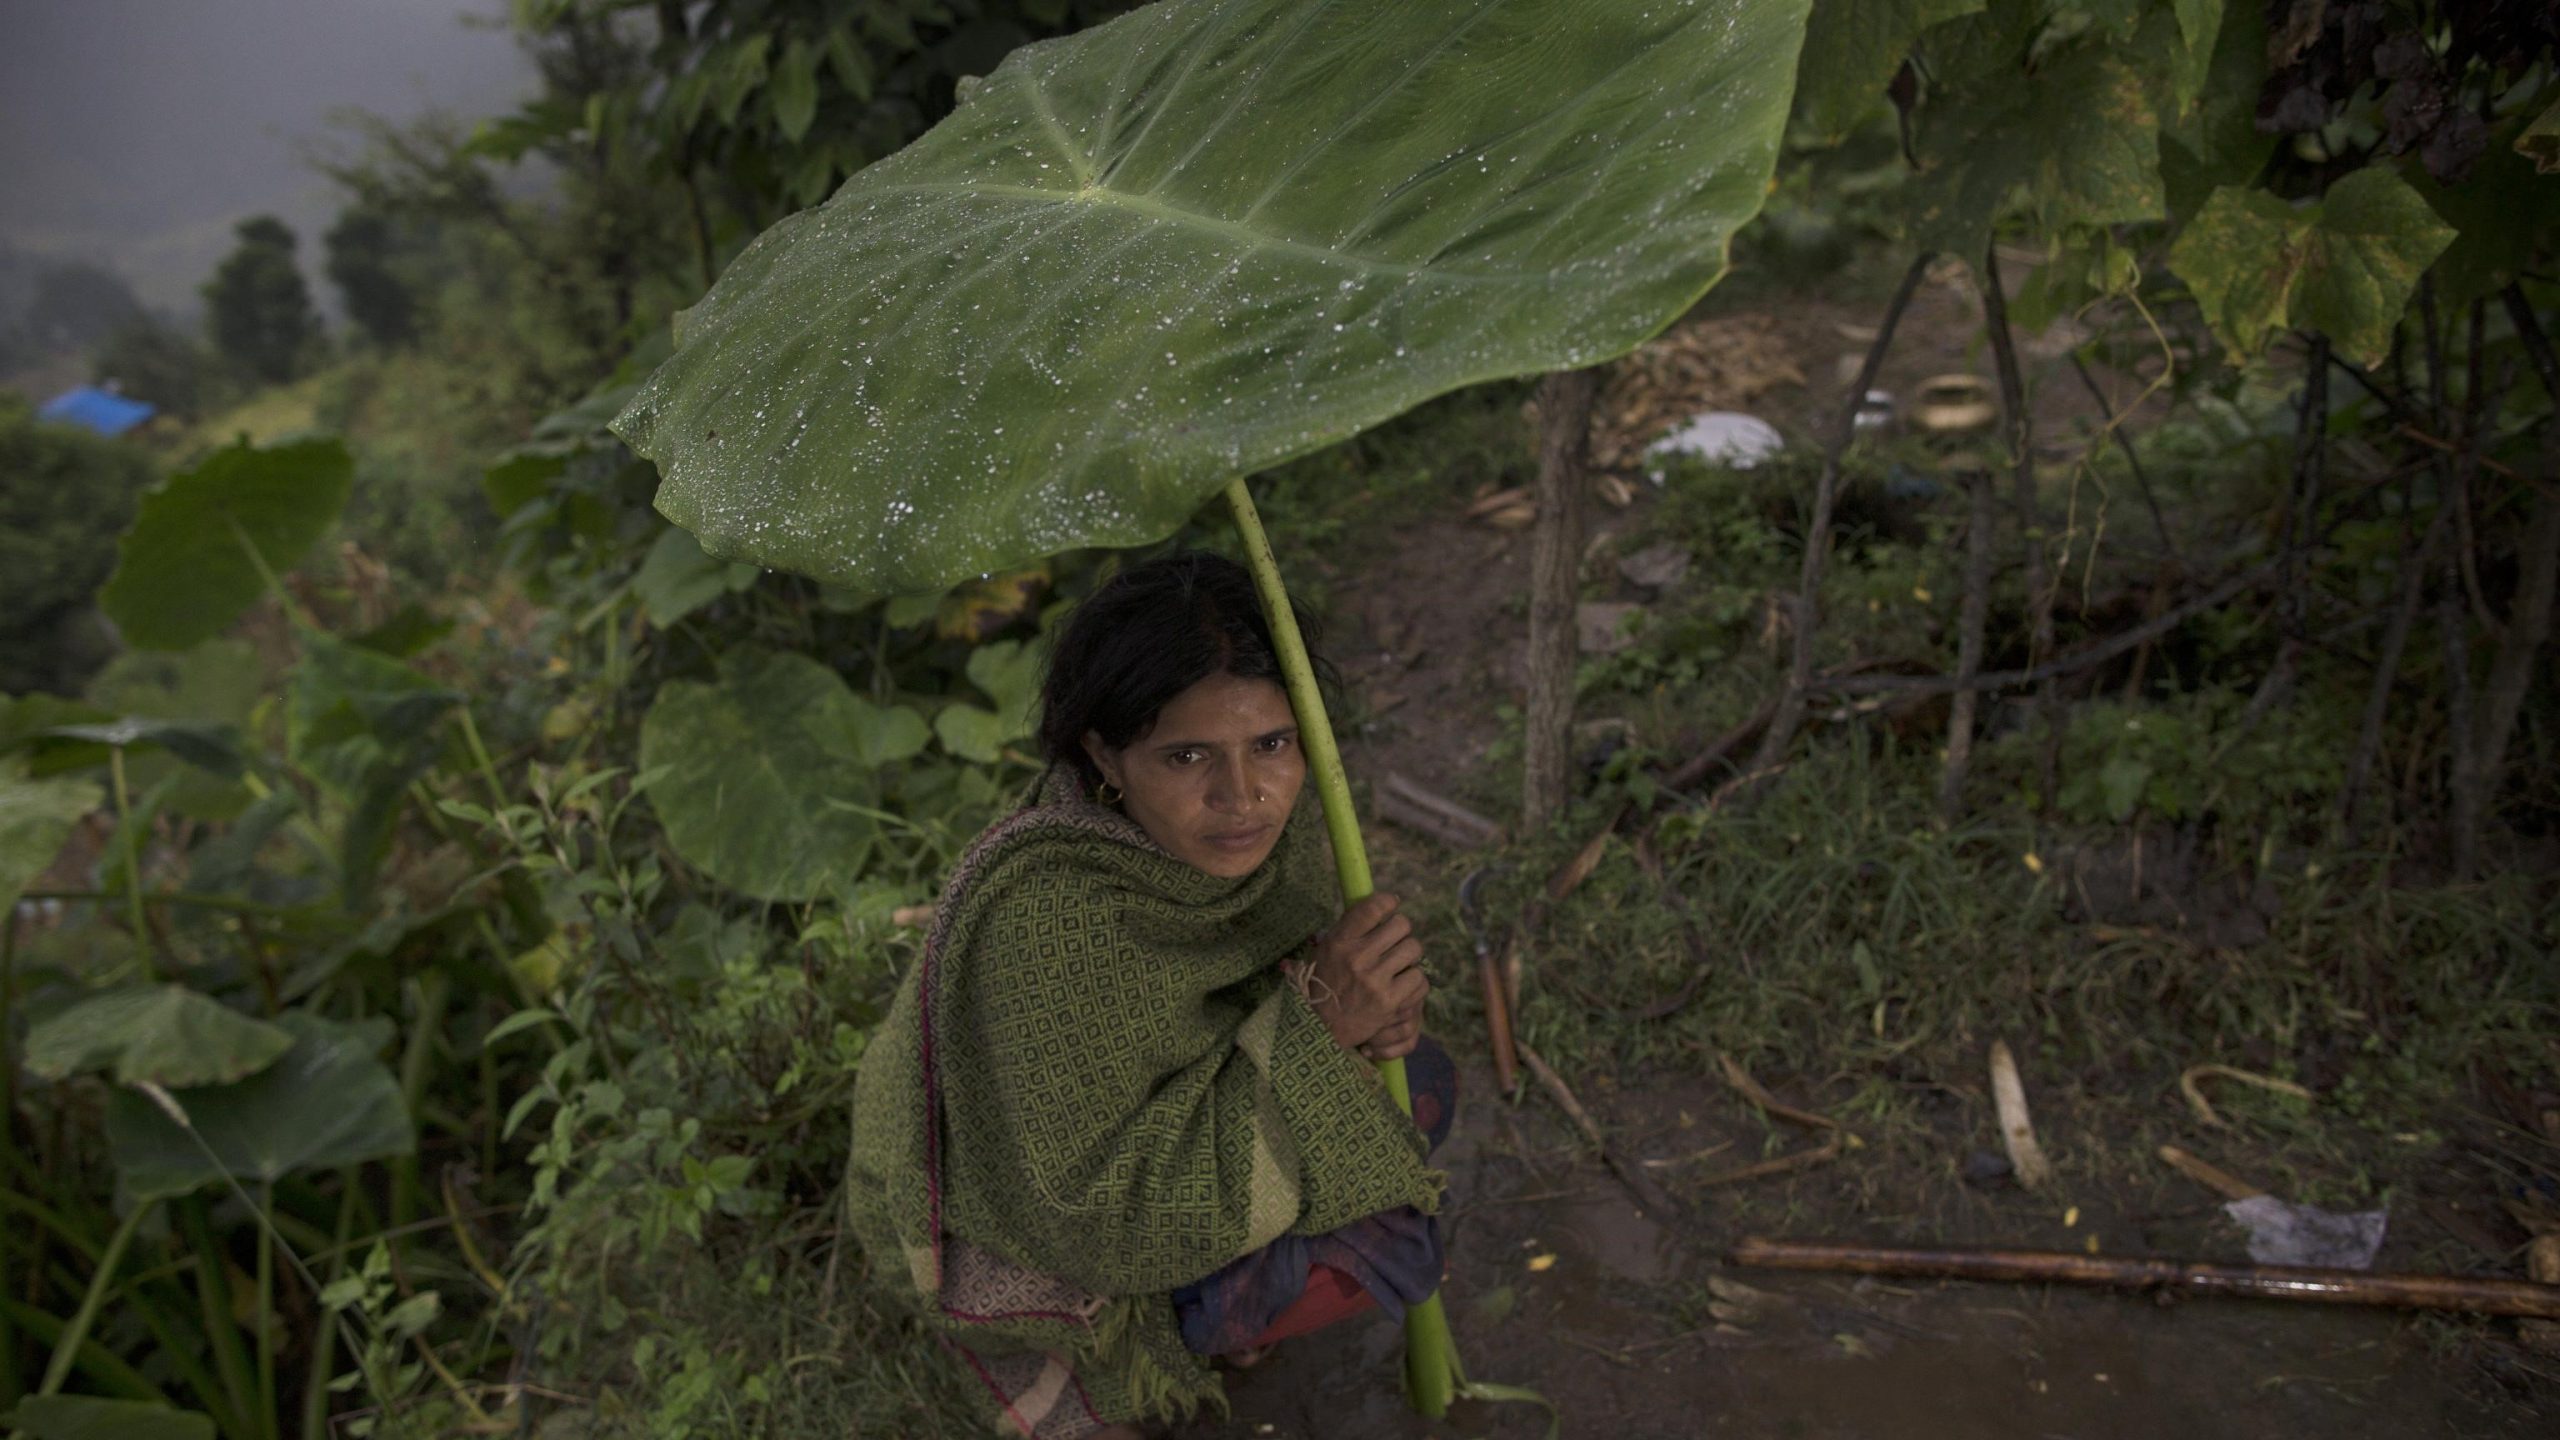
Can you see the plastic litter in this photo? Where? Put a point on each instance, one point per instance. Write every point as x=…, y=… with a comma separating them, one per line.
x=1718, y=437
x=2284, y=1233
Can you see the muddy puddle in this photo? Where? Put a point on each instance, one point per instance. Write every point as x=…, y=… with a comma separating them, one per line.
x=1636, y=1330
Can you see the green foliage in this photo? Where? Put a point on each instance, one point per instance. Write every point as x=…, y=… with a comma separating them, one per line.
x=326, y=1102
x=765, y=106
x=156, y=1034
x=1320, y=285
x=2346, y=265
x=365, y=255
x=64, y=493
x=2195, y=759
x=1852, y=48
x=35, y=817
x=258, y=308
x=159, y=364
x=207, y=541
x=769, y=780
x=79, y=1417
x=74, y=305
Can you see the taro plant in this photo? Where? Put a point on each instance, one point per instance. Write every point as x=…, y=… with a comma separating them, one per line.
x=1143, y=261
x=219, y=1014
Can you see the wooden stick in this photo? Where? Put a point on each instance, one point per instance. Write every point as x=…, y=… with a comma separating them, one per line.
x=2271, y=1282
x=1776, y=1165
x=1485, y=831
x=1570, y=875
x=1648, y=1194
x=2188, y=1086
x=1740, y=1079
x=1497, y=1020
x=1397, y=808
x=2221, y=1182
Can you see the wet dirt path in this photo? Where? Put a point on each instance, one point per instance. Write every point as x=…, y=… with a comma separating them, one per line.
x=1561, y=1284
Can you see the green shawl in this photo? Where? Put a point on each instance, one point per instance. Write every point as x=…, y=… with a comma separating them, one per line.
x=1096, y=1087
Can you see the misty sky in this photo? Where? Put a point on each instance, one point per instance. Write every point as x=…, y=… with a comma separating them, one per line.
x=135, y=132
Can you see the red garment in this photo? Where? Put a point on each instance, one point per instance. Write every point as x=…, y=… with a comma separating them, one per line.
x=1330, y=1295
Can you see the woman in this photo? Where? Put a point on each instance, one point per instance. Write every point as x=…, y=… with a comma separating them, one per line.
x=1121, y=1116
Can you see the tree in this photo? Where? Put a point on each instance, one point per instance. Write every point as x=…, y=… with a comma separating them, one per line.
x=259, y=307
x=75, y=305
x=366, y=253
x=158, y=363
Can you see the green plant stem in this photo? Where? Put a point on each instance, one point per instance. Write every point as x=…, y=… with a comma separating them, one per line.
x=132, y=863
x=101, y=1281
x=480, y=756
x=1431, y=1371
x=267, y=1417
x=213, y=1302
x=324, y=1345
x=107, y=1372
x=428, y=1019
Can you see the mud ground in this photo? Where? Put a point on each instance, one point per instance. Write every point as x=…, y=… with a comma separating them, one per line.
x=1633, y=1325
x=1561, y=1283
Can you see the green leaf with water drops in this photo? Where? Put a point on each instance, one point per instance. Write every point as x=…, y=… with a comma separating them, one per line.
x=1194, y=242
x=204, y=541
x=770, y=773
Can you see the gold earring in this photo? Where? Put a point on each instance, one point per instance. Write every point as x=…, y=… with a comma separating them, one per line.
x=1106, y=793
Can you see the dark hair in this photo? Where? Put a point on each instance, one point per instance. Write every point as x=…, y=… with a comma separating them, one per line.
x=1151, y=632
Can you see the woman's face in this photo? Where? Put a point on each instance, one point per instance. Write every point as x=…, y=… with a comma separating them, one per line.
x=1216, y=776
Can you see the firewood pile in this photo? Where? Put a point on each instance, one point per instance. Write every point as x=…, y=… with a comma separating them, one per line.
x=1719, y=363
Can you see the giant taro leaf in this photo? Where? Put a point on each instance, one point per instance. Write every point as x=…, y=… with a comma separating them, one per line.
x=185, y=570
x=36, y=816
x=2345, y=265
x=1202, y=239
x=163, y=1034
x=329, y=1101
x=766, y=776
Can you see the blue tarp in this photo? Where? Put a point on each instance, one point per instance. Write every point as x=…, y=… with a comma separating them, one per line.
x=101, y=410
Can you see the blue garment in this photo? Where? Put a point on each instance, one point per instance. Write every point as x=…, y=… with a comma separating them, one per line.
x=1394, y=1254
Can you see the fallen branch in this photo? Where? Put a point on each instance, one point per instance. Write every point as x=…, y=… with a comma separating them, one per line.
x=2097, y=654
x=1695, y=768
x=1444, y=806
x=1648, y=1194
x=1751, y=1090
x=1405, y=803
x=1692, y=1158
x=1570, y=875
x=2189, y=1085
x=2271, y=1282
x=2017, y=1131
x=1823, y=1153
x=1489, y=974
